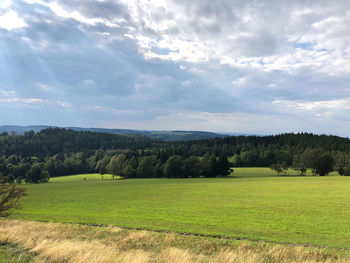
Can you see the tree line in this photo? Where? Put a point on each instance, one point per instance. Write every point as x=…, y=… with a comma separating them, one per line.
x=35, y=157
x=127, y=164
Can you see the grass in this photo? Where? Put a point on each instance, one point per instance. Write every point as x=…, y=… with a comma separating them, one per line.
x=56, y=242
x=13, y=254
x=252, y=172
x=80, y=177
x=255, y=205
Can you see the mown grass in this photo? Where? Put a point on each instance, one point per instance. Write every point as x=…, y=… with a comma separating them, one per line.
x=255, y=204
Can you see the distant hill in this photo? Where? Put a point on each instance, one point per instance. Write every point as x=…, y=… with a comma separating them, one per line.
x=157, y=135
x=22, y=129
x=52, y=141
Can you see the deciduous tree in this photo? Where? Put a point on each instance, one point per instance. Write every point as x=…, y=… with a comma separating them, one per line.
x=324, y=165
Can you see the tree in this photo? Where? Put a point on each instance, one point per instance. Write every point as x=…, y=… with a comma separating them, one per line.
x=223, y=165
x=324, y=165
x=50, y=166
x=283, y=157
x=12, y=159
x=341, y=162
x=300, y=165
x=209, y=165
x=36, y=174
x=132, y=162
x=128, y=171
x=45, y=176
x=101, y=165
x=102, y=171
x=346, y=171
x=192, y=167
x=236, y=160
x=9, y=196
x=280, y=168
x=145, y=168
x=174, y=167
x=158, y=170
x=115, y=166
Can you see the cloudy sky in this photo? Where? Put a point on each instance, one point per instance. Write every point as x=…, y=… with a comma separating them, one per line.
x=228, y=65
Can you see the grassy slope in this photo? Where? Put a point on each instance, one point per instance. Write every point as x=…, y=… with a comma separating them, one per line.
x=310, y=210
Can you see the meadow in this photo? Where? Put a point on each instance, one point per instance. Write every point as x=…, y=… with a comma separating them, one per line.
x=254, y=204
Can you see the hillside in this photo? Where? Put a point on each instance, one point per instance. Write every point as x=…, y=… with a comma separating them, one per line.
x=41, y=142
x=55, y=140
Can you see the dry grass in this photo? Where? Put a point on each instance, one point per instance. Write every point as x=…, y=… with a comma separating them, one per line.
x=53, y=242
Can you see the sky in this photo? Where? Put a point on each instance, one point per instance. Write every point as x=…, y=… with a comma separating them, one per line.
x=246, y=66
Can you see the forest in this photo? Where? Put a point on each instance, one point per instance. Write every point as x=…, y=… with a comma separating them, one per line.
x=35, y=157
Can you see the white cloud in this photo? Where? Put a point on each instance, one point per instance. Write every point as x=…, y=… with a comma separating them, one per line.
x=24, y=100
x=60, y=11
x=326, y=108
x=242, y=35
x=5, y=4
x=33, y=100
x=10, y=20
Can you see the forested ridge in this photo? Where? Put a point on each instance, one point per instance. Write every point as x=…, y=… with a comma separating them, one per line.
x=55, y=140
x=35, y=157
x=153, y=134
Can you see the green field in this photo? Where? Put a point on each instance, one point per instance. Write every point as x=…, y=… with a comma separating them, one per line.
x=254, y=204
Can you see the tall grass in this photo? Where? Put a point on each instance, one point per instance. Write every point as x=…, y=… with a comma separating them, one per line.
x=55, y=242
